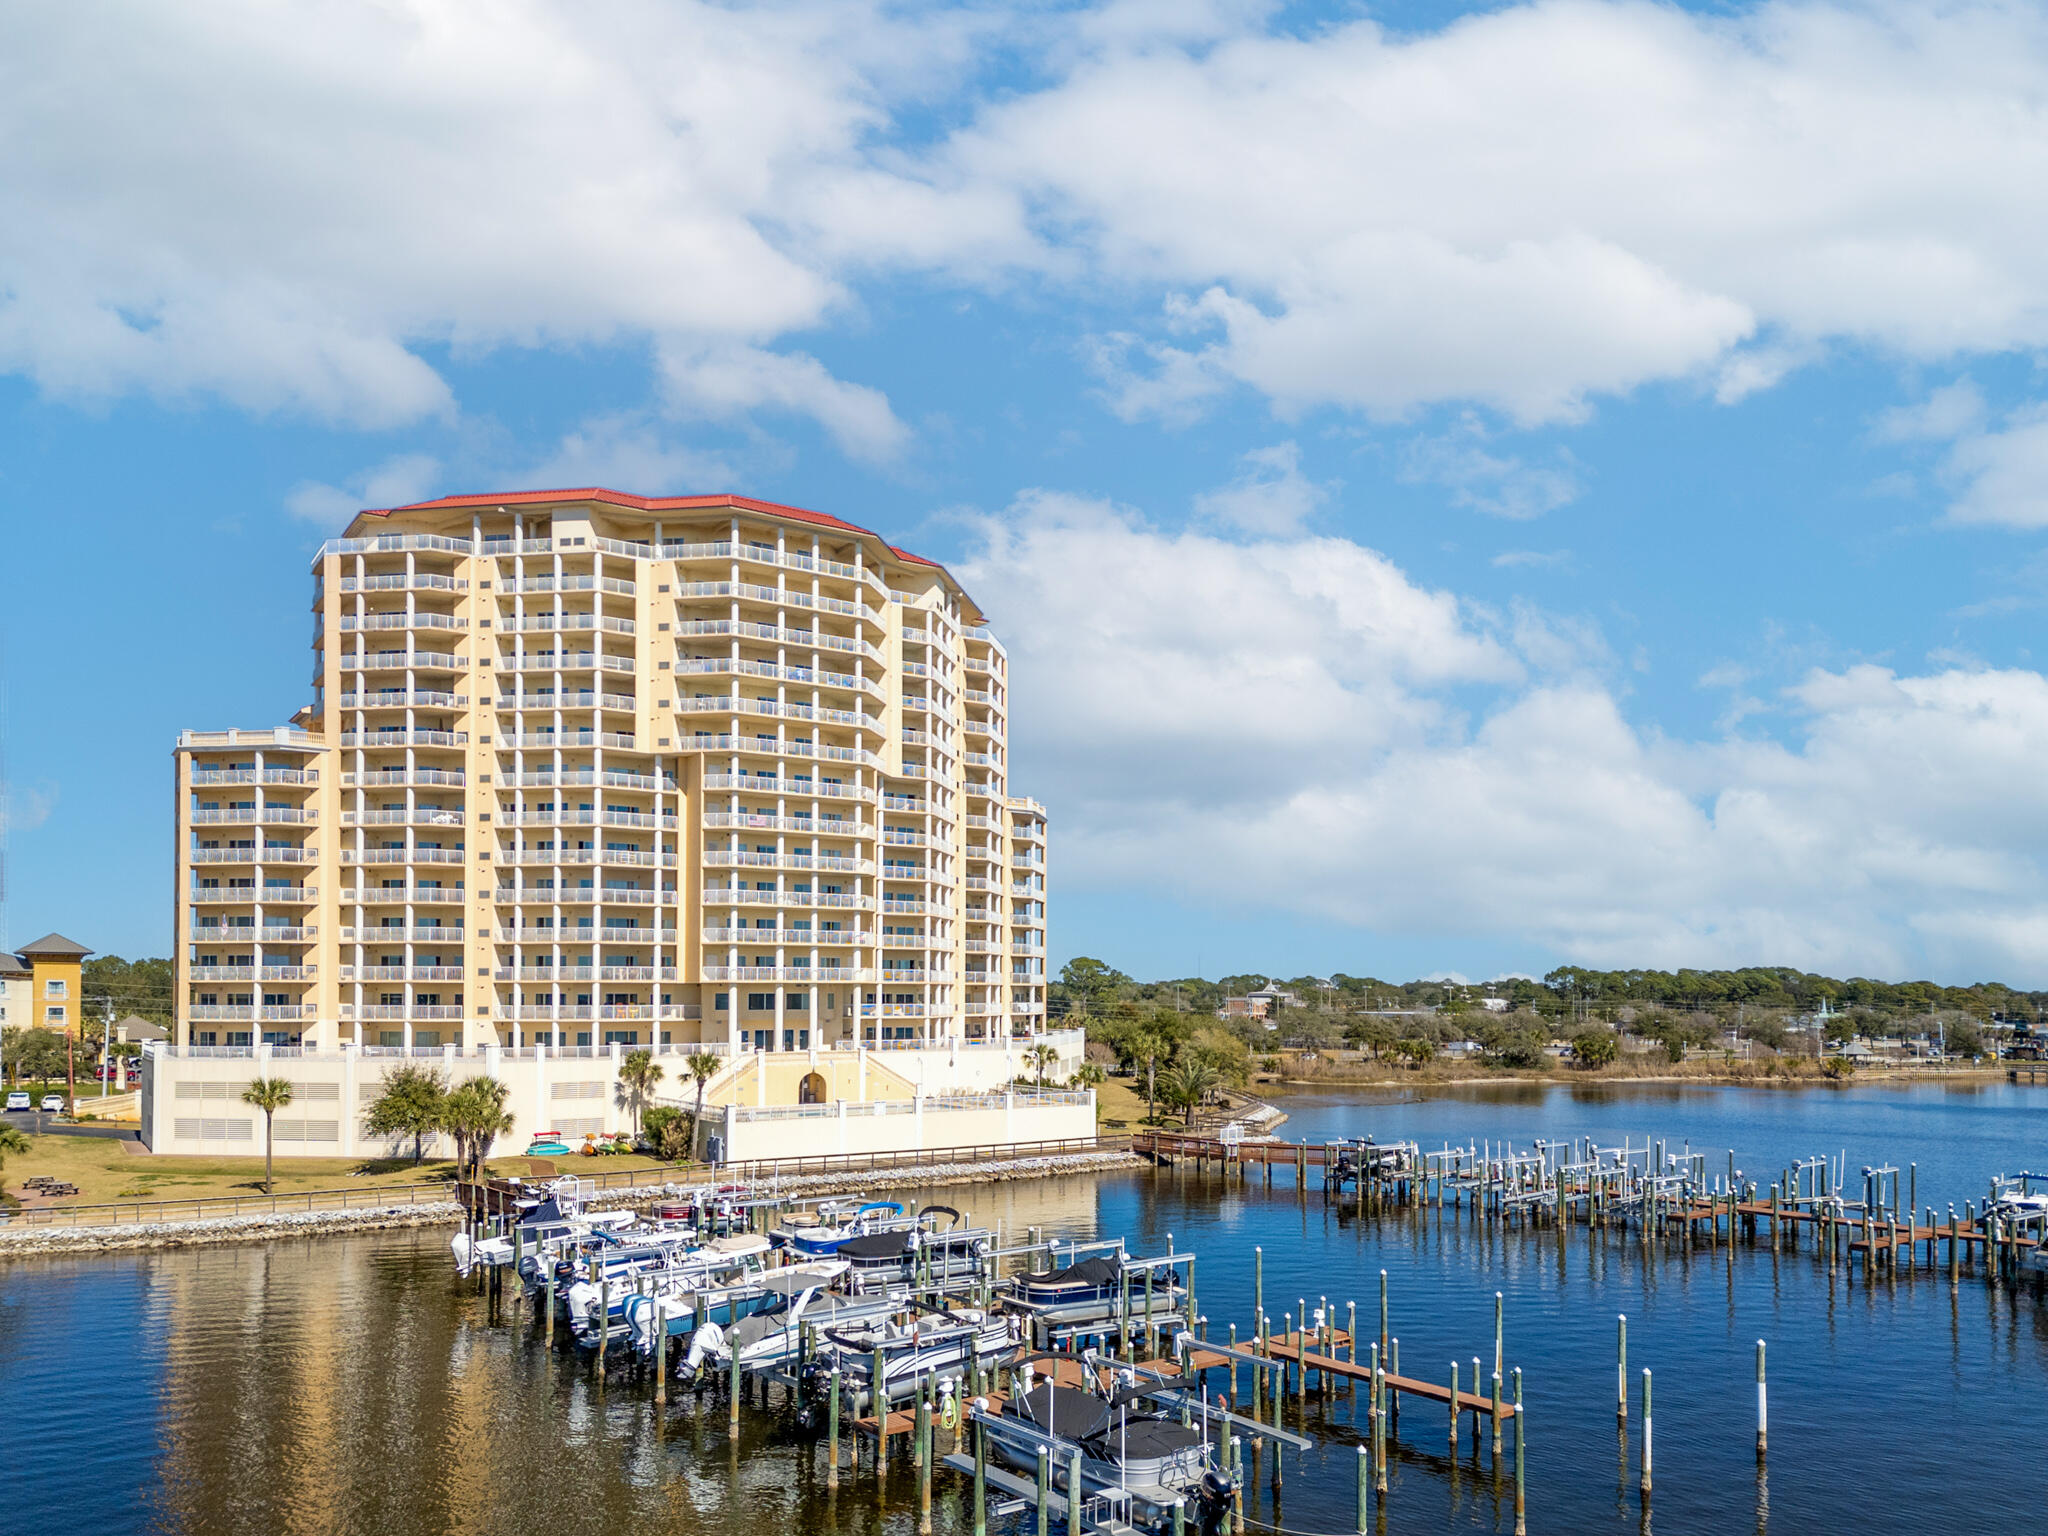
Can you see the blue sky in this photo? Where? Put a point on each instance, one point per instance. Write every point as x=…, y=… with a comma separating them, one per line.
x=1465, y=489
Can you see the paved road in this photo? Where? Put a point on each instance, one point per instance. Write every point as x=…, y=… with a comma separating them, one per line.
x=36, y=1123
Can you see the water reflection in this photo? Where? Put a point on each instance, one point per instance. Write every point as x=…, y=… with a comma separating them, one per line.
x=347, y=1384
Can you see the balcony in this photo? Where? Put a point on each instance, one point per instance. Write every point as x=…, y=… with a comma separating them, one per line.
x=579, y=896
x=204, y=974
x=551, y=937
x=569, y=583
x=892, y=1010
x=550, y=857
x=809, y=677
x=799, y=788
x=419, y=815
x=570, y=778
x=567, y=623
x=566, y=661
x=394, y=543
x=734, y=704
x=400, y=777
x=740, y=896
x=401, y=661
x=399, y=699
x=354, y=622
x=905, y=940
x=742, y=859
x=404, y=895
x=249, y=816
x=547, y=741
x=806, y=938
x=805, y=974
x=267, y=853
x=902, y=904
x=450, y=935
x=373, y=739
x=424, y=1013
x=401, y=973
x=644, y=820
x=403, y=855
x=230, y=1013
x=398, y=581
x=255, y=776
x=203, y=933
x=544, y=700
x=779, y=597
x=759, y=554
x=824, y=826
x=907, y=973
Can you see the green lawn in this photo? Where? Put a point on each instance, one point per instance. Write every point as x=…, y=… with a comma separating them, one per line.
x=104, y=1172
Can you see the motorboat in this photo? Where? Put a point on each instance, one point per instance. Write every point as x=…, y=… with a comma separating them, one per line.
x=774, y=1332
x=902, y=1256
x=1141, y=1462
x=834, y=1223
x=914, y=1347
x=672, y=1275
x=1095, y=1289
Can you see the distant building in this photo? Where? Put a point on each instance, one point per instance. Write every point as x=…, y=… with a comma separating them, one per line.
x=1494, y=1004
x=136, y=1030
x=44, y=984
x=1263, y=1003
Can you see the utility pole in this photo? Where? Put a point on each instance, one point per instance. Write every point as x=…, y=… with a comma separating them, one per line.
x=107, y=1056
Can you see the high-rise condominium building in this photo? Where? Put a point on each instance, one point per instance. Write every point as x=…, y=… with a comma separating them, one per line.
x=583, y=767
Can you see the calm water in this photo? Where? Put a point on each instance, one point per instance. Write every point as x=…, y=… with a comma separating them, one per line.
x=345, y=1384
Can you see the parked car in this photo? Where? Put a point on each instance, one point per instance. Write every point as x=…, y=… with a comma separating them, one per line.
x=53, y=1103
x=17, y=1100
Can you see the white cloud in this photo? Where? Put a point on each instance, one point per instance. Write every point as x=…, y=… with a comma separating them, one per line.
x=627, y=453
x=1547, y=202
x=302, y=209
x=1999, y=473
x=24, y=807
x=1293, y=718
x=398, y=481
x=1500, y=485
x=289, y=207
x=1512, y=558
x=728, y=382
x=1270, y=494
x=2005, y=473
x=1946, y=413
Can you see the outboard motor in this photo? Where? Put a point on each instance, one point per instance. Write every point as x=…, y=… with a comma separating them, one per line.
x=1212, y=1501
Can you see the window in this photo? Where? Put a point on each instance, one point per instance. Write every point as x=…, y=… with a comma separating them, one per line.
x=54, y=1014
x=797, y=1002
x=760, y=1002
x=54, y=989
x=722, y=1001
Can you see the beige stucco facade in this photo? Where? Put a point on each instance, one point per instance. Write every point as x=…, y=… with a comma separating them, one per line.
x=810, y=1103
x=584, y=769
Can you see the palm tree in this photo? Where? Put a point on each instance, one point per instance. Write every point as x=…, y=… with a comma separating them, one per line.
x=1188, y=1082
x=1042, y=1056
x=1146, y=1047
x=475, y=1116
x=12, y=1144
x=1088, y=1075
x=269, y=1094
x=408, y=1103
x=703, y=1066
x=638, y=1073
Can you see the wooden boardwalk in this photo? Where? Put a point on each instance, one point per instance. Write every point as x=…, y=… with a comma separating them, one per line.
x=1066, y=1372
x=1289, y=1348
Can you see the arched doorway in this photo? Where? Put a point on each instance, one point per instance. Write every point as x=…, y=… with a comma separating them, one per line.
x=811, y=1090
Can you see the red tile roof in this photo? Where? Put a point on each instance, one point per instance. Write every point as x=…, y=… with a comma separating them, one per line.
x=598, y=493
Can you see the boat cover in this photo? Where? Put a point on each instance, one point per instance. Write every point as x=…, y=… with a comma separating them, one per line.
x=1100, y=1270
x=876, y=1245
x=1066, y=1411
